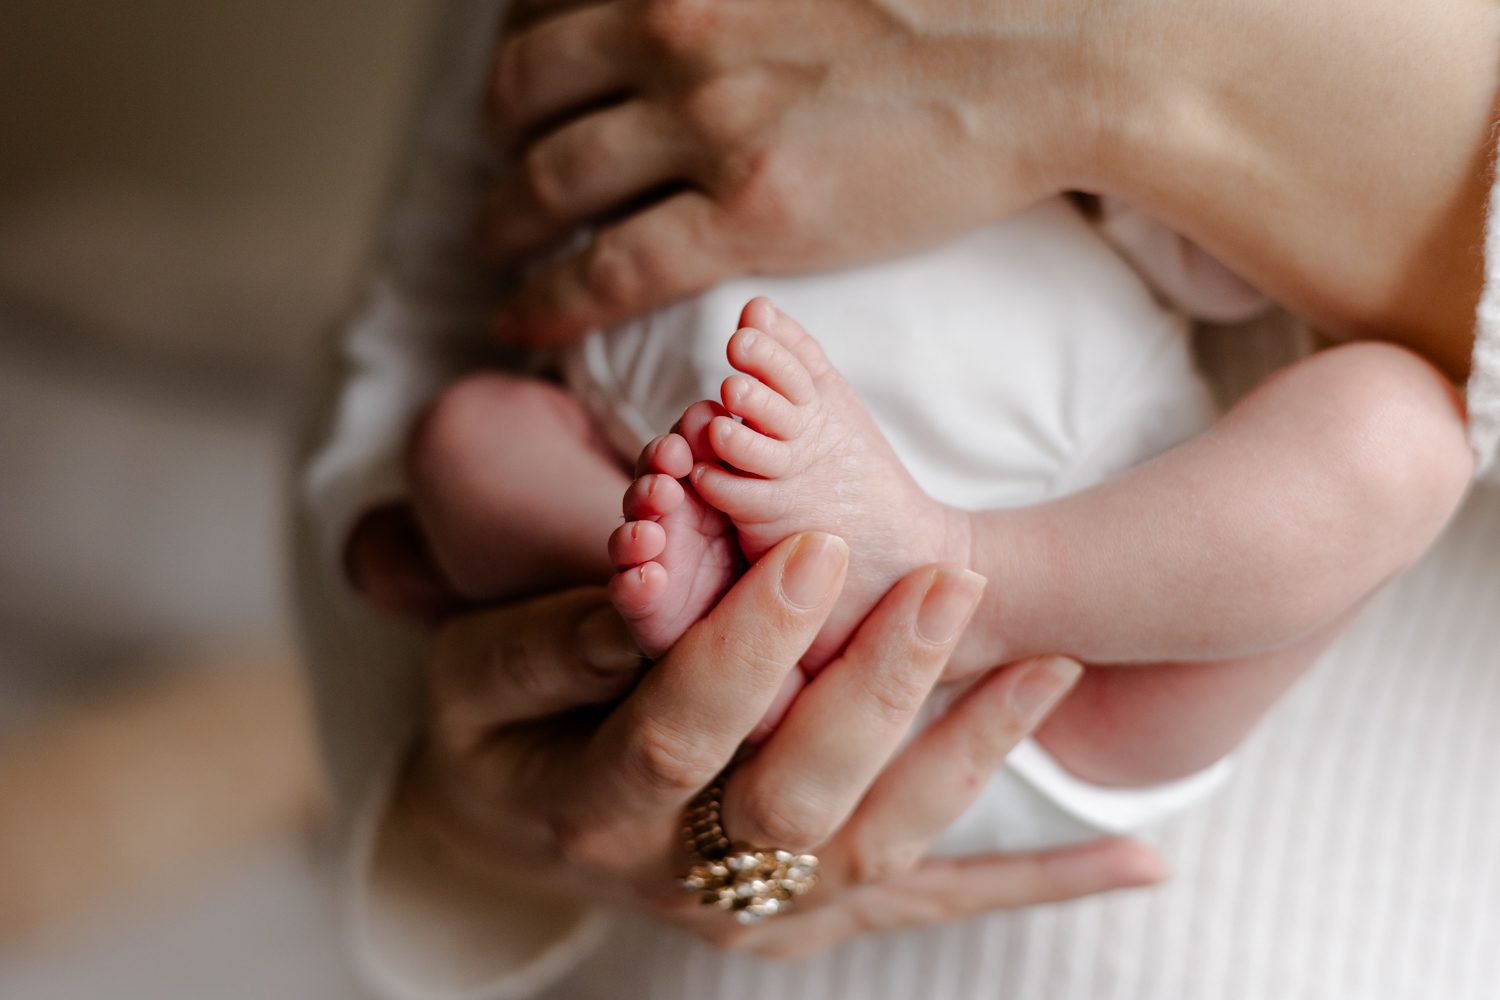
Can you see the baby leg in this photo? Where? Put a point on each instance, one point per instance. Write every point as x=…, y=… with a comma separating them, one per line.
x=1255, y=544
x=1321, y=485
x=1153, y=723
x=513, y=488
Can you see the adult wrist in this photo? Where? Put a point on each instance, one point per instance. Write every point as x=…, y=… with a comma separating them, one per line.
x=1016, y=79
x=1335, y=153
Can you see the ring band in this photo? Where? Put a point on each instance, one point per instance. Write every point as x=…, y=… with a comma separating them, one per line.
x=753, y=883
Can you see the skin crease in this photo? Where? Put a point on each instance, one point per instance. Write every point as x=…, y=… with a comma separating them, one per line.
x=1335, y=153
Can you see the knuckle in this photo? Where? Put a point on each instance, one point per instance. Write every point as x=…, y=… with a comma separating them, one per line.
x=765, y=187
x=551, y=176
x=720, y=112
x=895, y=695
x=788, y=821
x=678, y=29
x=669, y=759
x=612, y=273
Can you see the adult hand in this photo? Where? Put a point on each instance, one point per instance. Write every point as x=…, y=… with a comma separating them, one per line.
x=766, y=137
x=525, y=777
x=1336, y=153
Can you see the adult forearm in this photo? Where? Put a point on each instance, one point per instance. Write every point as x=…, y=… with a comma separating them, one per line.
x=1337, y=153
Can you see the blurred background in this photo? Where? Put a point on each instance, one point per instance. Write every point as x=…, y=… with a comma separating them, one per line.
x=187, y=194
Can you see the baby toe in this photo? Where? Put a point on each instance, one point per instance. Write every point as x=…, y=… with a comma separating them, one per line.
x=748, y=450
x=652, y=496
x=668, y=455
x=743, y=499
x=693, y=428
x=636, y=592
x=768, y=412
x=761, y=357
x=763, y=314
x=635, y=542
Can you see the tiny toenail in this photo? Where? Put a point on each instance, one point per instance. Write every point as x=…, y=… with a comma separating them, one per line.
x=747, y=338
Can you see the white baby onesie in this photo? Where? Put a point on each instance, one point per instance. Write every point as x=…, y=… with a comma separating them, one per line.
x=1017, y=364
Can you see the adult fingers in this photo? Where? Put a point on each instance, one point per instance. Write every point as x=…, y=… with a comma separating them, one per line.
x=946, y=767
x=691, y=711
x=969, y=886
x=568, y=60
x=845, y=725
x=578, y=172
x=946, y=890
x=675, y=248
x=526, y=661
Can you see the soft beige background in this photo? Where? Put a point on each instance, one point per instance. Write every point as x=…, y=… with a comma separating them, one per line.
x=187, y=192
x=196, y=176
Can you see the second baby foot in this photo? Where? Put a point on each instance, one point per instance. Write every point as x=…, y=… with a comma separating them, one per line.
x=794, y=450
x=676, y=554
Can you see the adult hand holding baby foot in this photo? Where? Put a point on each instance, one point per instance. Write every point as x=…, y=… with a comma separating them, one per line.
x=520, y=780
x=708, y=140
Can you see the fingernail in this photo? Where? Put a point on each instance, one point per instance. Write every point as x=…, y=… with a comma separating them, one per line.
x=813, y=569
x=1042, y=684
x=951, y=599
x=604, y=642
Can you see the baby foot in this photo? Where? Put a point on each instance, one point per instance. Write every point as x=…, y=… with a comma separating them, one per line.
x=794, y=450
x=677, y=554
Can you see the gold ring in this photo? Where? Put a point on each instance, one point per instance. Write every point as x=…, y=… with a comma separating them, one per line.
x=753, y=883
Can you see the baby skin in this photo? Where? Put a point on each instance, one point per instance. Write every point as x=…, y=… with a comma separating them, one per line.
x=1196, y=587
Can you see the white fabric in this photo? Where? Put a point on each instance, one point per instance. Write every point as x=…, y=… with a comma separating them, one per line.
x=1483, y=395
x=1420, y=666
x=1186, y=275
x=1020, y=362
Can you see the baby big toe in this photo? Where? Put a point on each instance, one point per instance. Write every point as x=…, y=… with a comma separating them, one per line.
x=636, y=592
x=791, y=335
